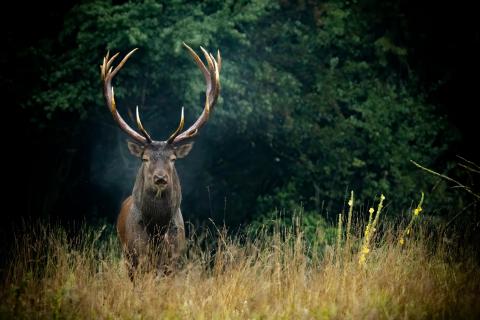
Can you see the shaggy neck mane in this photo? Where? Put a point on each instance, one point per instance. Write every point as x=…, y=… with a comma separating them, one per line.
x=157, y=208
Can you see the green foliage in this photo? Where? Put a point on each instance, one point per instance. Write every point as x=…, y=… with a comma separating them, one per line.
x=312, y=226
x=314, y=97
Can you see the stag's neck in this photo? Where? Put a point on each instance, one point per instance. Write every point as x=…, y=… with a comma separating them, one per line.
x=157, y=207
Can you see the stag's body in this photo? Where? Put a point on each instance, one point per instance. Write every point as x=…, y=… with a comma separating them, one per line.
x=135, y=236
x=147, y=219
x=139, y=213
x=151, y=217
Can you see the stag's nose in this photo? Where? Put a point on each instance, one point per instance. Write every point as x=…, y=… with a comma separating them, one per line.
x=160, y=179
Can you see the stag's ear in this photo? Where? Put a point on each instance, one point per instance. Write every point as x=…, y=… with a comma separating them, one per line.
x=135, y=149
x=183, y=150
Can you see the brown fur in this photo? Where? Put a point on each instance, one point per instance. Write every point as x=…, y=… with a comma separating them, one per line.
x=150, y=222
x=122, y=220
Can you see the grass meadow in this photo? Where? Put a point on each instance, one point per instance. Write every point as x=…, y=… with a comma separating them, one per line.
x=371, y=270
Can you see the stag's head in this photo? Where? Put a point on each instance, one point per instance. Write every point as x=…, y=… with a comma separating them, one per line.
x=158, y=163
x=159, y=157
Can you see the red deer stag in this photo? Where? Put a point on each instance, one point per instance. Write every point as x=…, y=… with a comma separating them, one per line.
x=151, y=214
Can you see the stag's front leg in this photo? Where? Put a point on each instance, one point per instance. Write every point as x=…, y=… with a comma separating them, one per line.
x=131, y=261
x=172, y=244
x=176, y=234
x=136, y=249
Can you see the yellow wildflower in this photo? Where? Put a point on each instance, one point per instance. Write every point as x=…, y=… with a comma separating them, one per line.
x=417, y=211
x=362, y=259
x=367, y=231
x=401, y=241
x=371, y=210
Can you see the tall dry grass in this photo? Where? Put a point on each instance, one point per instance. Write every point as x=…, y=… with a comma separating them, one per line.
x=270, y=274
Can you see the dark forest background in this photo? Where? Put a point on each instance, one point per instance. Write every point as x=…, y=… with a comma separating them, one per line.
x=318, y=98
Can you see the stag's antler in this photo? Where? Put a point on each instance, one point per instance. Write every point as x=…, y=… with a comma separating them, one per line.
x=212, y=79
x=107, y=76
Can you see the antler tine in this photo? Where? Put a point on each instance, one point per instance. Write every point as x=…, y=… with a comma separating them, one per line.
x=219, y=61
x=198, y=61
x=142, y=129
x=110, y=61
x=179, y=129
x=107, y=76
x=215, y=75
x=103, y=67
x=107, y=62
x=120, y=65
x=212, y=80
x=207, y=57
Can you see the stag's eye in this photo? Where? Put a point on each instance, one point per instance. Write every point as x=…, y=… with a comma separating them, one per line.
x=144, y=159
x=173, y=157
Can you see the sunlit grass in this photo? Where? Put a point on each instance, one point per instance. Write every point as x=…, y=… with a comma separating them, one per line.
x=272, y=273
